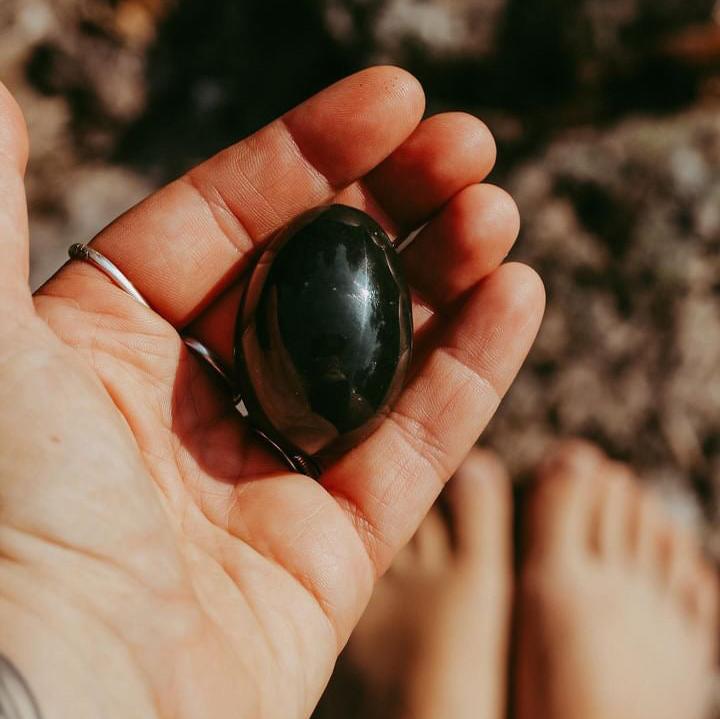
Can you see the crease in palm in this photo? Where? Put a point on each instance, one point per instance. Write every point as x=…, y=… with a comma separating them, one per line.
x=246, y=577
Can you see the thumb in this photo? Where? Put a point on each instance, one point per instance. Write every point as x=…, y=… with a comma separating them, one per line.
x=14, y=262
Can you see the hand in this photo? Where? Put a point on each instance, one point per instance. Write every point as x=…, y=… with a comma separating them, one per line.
x=155, y=558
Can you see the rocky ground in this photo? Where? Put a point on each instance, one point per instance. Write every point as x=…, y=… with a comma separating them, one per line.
x=623, y=224
x=608, y=116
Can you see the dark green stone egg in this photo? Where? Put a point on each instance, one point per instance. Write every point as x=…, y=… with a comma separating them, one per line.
x=324, y=333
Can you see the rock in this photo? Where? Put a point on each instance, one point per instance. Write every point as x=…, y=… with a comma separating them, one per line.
x=324, y=334
x=444, y=30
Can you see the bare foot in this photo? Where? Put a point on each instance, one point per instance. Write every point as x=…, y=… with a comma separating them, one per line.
x=433, y=642
x=617, y=609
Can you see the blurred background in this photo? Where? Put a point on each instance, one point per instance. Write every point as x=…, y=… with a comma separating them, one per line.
x=607, y=114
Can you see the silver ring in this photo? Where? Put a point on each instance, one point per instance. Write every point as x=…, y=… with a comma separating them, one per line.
x=79, y=251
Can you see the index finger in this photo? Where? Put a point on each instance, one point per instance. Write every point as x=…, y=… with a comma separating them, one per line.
x=184, y=244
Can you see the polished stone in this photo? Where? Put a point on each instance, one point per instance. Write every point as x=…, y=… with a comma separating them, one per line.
x=324, y=333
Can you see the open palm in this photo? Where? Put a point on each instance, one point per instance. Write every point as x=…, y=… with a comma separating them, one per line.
x=148, y=541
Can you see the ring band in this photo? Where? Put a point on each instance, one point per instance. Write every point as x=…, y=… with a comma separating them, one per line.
x=84, y=253
x=79, y=251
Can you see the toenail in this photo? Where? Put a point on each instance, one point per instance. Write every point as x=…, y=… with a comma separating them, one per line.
x=481, y=464
x=575, y=458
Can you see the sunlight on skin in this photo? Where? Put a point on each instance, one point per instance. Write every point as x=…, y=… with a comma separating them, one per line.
x=142, y=527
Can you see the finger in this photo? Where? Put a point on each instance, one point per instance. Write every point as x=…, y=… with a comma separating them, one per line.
x=444, y=155
x=182, y=246
x=13, y=209
x=389, y=482
x=469, y=239
x=215, y=327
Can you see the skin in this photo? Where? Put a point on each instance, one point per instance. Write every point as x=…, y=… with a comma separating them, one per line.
x=155, y=560
x=616, y=610
x=617, y=607
x=433, y=641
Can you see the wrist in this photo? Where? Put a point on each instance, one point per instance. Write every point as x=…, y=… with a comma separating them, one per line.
x=62, y=663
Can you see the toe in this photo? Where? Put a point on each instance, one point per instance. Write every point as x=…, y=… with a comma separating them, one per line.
x=559, y=512
x=611, y=536
x=479, y=497
x=705, y=599
x=671, y=555
x=680, y=562
x=650, y=537
x=695, y=581
x=694, y=586
x=431, y=543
